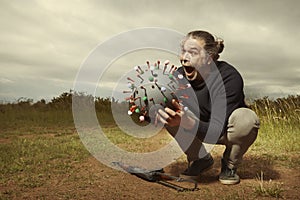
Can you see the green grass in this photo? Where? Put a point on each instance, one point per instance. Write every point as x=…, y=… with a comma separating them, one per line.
x=30, y=161
x=39, y=143
x=279, y=140
x=279, y=134
x=268, y=188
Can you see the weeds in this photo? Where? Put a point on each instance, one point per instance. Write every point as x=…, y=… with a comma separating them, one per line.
x=268, y=189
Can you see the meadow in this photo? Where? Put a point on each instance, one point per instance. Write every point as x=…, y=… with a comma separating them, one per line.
x=42, y=156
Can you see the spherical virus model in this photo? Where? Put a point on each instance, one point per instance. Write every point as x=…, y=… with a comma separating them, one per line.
x=154, y=87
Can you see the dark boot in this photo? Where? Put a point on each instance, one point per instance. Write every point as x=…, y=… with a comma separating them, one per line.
x=196, y=167
x=228, y=176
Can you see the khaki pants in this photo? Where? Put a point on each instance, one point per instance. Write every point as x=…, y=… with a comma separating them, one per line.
x=242, y=130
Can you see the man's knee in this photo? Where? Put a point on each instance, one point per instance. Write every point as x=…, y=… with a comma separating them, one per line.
x=243, y=119
x=242, y=123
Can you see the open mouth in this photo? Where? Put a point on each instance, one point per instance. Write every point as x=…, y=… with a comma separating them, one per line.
x=189, y=69
x=190, y=72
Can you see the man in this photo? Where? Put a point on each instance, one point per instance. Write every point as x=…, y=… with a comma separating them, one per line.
x=236, y=128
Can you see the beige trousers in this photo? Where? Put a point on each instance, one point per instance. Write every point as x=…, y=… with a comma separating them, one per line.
x=242, y=130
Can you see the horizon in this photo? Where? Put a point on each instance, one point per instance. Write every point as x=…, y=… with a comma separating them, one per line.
x=118, y=100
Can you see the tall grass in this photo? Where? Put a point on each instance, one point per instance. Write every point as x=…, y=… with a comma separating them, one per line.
x=278, y=140
x=57, y=112
x=279, y=118
x=280, y=125
x=279, y=132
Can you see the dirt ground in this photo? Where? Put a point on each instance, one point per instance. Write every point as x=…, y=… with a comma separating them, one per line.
x=93, y=180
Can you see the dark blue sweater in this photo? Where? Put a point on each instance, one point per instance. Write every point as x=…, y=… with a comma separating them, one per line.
x=220, y=94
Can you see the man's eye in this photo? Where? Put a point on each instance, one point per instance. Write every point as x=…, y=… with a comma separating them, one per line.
x=194, y=53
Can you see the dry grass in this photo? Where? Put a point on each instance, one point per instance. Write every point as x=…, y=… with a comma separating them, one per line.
x=38, y=141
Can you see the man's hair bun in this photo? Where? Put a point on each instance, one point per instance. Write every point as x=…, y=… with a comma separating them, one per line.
x=220, y=45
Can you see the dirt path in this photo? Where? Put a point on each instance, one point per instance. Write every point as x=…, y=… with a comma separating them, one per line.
x=93, y=180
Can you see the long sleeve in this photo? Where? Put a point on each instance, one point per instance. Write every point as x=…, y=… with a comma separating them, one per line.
x=217, y=97
x=225, y=88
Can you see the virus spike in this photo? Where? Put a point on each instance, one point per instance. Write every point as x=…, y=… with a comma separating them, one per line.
x=130, y=79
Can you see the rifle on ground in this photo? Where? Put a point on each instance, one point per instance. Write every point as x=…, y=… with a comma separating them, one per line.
x=158, y=176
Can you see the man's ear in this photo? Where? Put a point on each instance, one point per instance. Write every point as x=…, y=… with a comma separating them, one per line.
x=209, y=60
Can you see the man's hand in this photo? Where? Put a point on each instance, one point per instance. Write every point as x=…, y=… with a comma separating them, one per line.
x=176, y=117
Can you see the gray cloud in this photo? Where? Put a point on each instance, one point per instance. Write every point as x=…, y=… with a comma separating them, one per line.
x=43, y=43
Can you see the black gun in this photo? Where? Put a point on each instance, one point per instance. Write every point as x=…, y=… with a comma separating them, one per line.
x=158, y=176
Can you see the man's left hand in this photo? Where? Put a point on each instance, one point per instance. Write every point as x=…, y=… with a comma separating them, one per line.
x=177, y=117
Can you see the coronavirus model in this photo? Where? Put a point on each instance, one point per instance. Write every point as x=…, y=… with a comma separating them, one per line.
x=153, y=87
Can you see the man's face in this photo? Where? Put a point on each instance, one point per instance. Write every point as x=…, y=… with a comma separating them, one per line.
x=193, y=56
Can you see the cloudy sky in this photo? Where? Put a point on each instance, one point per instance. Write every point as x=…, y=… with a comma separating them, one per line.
x=43, y=43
